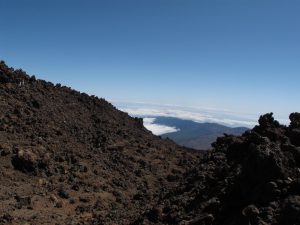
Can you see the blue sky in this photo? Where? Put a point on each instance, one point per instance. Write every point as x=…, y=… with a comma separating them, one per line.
x=237, y=55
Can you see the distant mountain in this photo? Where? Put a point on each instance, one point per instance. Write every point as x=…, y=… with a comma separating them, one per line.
x=196, y=135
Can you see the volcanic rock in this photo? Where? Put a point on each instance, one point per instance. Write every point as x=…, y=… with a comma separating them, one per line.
x=70, y=158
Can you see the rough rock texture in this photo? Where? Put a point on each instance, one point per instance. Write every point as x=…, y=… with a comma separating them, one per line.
x=70, y=158
x=250, y=179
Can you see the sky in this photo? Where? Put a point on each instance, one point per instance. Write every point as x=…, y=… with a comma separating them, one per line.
x=240, y=56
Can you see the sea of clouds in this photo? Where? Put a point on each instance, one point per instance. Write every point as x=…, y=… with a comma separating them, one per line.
x=200, y=115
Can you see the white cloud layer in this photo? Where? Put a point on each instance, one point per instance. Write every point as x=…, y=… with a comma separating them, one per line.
x=158, y=129
x=197, y=116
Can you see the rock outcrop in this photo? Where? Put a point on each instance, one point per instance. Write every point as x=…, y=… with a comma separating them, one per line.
x=250, y=179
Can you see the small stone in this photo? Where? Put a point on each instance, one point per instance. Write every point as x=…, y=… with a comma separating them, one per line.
x=274, y=205
x=42, y=182
x=5, y=152
x=72, y=201
x=23, y=201
x=155, y=214
x=63, y=194
x=250, y=211
x=59, y=204
x=53, y=198
x=84, y=199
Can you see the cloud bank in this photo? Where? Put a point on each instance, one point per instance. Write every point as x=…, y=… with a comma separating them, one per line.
x=158, y=129
x=196, y=115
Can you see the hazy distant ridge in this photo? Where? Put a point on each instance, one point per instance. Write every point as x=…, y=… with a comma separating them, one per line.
x=196, y=135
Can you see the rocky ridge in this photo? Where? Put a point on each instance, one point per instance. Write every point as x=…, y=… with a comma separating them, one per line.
x=70, y=158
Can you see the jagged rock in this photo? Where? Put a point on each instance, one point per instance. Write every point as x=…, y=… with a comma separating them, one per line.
x=265, y=162
x=295, y=120
x=267, y=121
x=4, y=78
x=269, y=127
x=250, y=211
x=25, y=160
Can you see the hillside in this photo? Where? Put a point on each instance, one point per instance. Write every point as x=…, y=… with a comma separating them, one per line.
x=196, y=135
x=70, y=158
x=67, y=157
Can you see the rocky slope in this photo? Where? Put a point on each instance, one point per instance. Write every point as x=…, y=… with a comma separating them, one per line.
x=249, y=179
x=70, y=158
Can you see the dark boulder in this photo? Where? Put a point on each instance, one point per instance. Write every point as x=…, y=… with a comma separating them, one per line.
x=25, y=161
x=4, y=78
x=295, y=120
x=267, y=121
x=295, y=136
x=291, y=211
x=23, y=201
